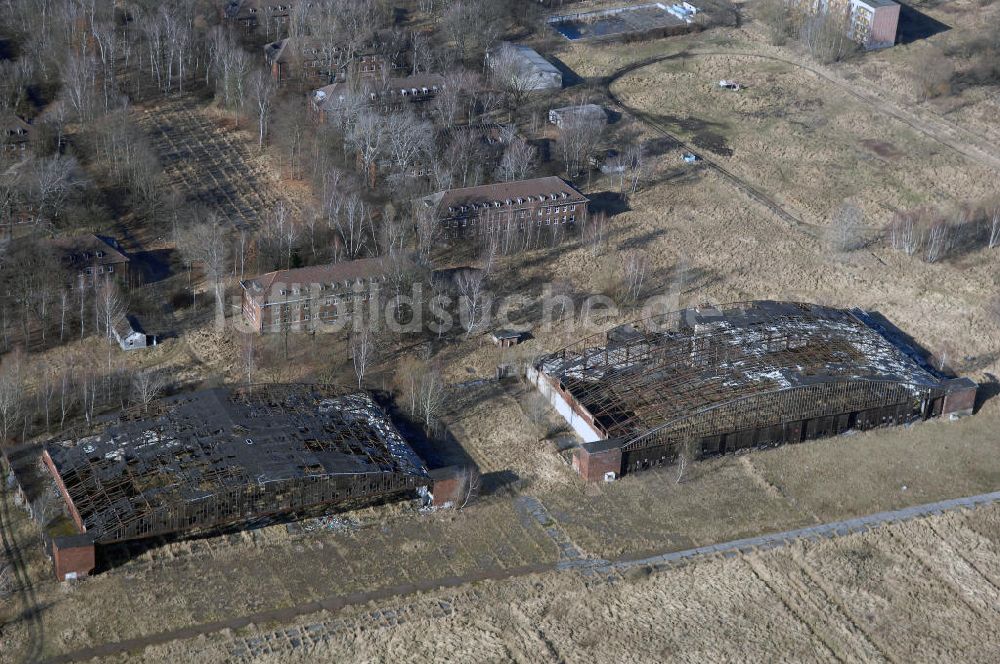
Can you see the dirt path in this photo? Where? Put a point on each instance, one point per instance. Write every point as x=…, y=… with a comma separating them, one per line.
x=587, y=567
x=29, y=602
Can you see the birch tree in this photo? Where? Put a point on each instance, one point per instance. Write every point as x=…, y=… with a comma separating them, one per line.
x=261, y=89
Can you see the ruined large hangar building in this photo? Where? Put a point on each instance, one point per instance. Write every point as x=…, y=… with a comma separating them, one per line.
x=227, y=456
x=722, y=379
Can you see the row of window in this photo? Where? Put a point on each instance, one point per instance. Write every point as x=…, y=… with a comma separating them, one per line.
x=498, y=228
x=509, y=201
x=547, y=213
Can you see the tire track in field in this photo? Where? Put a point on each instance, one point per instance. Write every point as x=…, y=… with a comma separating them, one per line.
x=587, y=567
x=835, y=599
x=972, y=545
x=795, y=608
x=824, y=617
x=749, y=189
x=951, y=570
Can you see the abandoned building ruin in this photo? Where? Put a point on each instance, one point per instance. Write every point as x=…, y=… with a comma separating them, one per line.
x=225, y=456
x=521, y=214
x=715, y=380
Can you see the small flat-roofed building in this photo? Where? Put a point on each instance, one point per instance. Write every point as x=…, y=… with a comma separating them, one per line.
x=536, y=72
x=718, y=380
x=584, y=113
x=387, y=96
x=130, y=335
x=228, y=456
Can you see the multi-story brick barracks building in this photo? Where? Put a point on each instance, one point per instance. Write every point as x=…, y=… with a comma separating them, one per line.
x=520, y=213
x=303, y=298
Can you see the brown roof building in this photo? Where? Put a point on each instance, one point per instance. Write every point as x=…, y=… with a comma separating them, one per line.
x=92, y=258
x=313, y=61
x=15, y=134
x=526, y=208
x=251, y=14
x=306, y=297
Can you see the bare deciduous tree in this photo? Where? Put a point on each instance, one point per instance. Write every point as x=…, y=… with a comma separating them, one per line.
x=473, y=305
x=518, y=161
x=635, y=165
x=634, y=264
x=933, y=74
x=428, y=232
x=903, y=233
x=147, y=385
x=11, y=387
x=458, y=18
x=456, y=90
x=407, y=139
x=261, y=88
x=430, y=396
x=939, y=241
x=206, y=242
x=469, y=482
x=595, y=232
x=367, y=136
x=778, y=16
x=363, y=349
x=509, y=75
x=825, y=34
x=686, y=454
x=110, y=306
x=52, y=181
x=578, y=136
x=846, y=230
x=994, y=217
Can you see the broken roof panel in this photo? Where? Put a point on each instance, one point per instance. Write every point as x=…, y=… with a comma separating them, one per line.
x=225, y=455
x=638, y=377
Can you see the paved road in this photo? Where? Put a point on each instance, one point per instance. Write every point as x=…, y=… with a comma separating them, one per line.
x=568, y=562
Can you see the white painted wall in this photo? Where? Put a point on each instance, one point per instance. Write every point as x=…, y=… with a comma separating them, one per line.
x=583, y=429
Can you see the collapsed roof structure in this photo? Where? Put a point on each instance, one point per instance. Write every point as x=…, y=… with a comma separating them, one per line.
x=737, y=376
x=230, y=455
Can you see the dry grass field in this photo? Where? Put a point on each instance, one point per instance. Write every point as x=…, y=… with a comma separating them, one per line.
x=196, y=581
x=916, y=591
x=925, y=590
x=801, y=139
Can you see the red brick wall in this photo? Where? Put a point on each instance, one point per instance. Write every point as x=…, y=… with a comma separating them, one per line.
x=449, y=485
x=62, y=490
x=960, y=401
x=593, y=466
x=79, y=559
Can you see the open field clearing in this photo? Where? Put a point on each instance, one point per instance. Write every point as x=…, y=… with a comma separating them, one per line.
x=191, y=582
x=210, y=163
x=912, y=591
x=800, y=139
